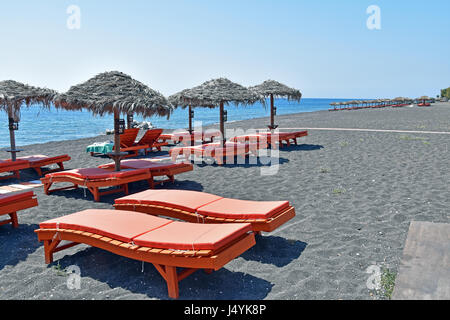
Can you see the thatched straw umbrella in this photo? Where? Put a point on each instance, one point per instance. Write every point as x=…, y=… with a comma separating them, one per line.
x=115, y=93
x=424, y=99
x=13, y=95
x=177, y=100
x=214, y=93
x=271, y=88
x=334, y=105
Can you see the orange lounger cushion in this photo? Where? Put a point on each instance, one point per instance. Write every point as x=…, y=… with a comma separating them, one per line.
x=206, y=204
x=96, y=178
x=155, y=168
x=185, y=135
x=4, y=164
x=120, y=225
x=144, y=164
x=11, y=204
x=96, y=173
x=40, y=157
x=243, y=209
x=149, y=231
x=5, y=199
x=37, y=162
x=188, y=201
x=192, y=236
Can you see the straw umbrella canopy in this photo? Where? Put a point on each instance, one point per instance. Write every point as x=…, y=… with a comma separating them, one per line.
x=271, y=88
x=216, y=93
x=424, y=98
x=115, y=93
x=177, y=100
x=334, y=104
x=13, y=95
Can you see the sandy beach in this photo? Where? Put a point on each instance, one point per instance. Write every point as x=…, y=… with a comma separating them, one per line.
x=355, y=193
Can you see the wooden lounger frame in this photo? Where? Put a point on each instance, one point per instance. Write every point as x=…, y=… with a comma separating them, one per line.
x=14, y=168
x=258, y=225
x=168, y=172
x=285, y=138
x=38, y=165
x=94, y=185
x=17, y=205
x=159, y=172
x=244, y=152
x=168, y=136
x=281, y=137
x=134, y=150
x=165, y=261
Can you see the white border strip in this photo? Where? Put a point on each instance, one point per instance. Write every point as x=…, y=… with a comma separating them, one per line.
x=365, y=130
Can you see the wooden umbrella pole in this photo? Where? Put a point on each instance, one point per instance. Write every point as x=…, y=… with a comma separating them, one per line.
x=272, y=113
x=222, y=123
x=129, y=121
x=190, y=125
x=116, y=140
x=190, y=120
x=12, y=136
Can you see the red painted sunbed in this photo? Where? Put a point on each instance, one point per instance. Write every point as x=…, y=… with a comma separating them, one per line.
x=146, y=143
x=14, y=167
x=150, y=140
x=156, y=169
x=167, y=244
x=94, y=179
x=10, y=204
x=187, y=138
x=284, y=137
x=272, y=138
x=217, y=151
x=127, y=140
x=36, y=162
x=200, y=207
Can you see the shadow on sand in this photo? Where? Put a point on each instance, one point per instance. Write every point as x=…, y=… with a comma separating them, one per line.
x=17, y=244
x=302, y=147
x=117, y=271
x=275, y=250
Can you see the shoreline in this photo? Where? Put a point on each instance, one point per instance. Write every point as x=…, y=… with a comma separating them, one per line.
x=263, y=119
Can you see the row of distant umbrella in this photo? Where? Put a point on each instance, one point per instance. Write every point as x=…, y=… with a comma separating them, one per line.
x=117, y=93
x=378, y=103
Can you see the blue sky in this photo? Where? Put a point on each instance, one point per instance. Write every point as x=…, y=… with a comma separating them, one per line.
x=322, y=47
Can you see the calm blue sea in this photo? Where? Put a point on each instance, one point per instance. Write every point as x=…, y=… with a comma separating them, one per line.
x=38, y=125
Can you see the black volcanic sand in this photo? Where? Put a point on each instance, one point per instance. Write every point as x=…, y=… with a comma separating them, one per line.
x=355, y=194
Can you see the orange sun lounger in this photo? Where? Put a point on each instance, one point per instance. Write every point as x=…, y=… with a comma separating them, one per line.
x=185, y=136
x=127, y=140
x=36, y=162
x=166, y=244
x=200, y=207
x=217, y=151
x=150, y=140
x=156, y=169
x=14, y=167
x=94, y=179
x=283, y=137
x=10, y=204
x=146, y=143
